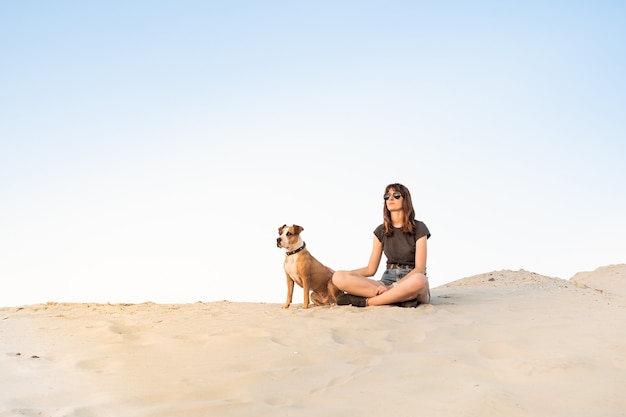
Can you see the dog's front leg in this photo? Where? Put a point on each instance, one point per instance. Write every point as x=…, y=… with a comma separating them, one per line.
x=289, y=291
x=305, y=289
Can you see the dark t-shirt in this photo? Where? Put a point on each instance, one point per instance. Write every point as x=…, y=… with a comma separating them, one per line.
x=399, y=248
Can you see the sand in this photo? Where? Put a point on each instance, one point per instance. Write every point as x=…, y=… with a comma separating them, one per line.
x=504, y=343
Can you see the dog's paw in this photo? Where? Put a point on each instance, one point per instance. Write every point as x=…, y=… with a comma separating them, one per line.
x=286, y=306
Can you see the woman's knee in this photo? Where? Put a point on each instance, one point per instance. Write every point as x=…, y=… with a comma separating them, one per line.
x=418, y=282
x=339, y=278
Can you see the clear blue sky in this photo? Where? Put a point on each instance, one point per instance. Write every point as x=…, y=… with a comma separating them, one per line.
x=149, y=150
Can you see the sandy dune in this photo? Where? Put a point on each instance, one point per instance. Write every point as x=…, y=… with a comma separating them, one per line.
x=505, y=343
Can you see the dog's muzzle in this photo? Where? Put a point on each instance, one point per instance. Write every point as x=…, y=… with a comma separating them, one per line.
x=278, y=242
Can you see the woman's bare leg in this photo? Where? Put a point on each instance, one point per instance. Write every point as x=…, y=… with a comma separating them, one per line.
x=356, y=284
x=412, y=286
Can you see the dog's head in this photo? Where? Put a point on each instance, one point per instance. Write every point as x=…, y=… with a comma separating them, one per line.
x=288, y=235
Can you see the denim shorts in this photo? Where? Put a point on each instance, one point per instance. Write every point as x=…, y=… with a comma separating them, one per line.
x=392, y=275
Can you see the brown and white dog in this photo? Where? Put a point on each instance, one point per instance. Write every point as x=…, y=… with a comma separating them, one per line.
x=301, y=267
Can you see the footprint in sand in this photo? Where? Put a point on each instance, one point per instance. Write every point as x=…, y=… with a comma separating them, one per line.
x=284, y=340
x=341, y=380
x=101, y=365
x=334, y=382
x=345, y=336
x=127, y=332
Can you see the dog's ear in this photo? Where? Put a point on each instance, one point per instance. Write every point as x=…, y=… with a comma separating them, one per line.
x=280, y=229
x=297, y=228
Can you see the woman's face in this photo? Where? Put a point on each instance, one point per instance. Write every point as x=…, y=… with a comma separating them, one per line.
x=393, y=199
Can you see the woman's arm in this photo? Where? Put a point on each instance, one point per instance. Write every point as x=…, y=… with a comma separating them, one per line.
x=372, y=266
x=420, y=254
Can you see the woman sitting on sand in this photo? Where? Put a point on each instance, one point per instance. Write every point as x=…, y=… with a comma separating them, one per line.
x=403, y=240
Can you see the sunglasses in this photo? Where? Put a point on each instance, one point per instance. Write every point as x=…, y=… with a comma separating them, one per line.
x=395, y=195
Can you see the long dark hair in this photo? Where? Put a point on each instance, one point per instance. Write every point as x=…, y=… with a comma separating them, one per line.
x=408, y=225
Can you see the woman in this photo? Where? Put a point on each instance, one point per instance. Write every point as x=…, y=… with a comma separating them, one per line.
x=403, y=241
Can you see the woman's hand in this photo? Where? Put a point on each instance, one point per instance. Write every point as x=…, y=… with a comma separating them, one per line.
x=381, y=289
